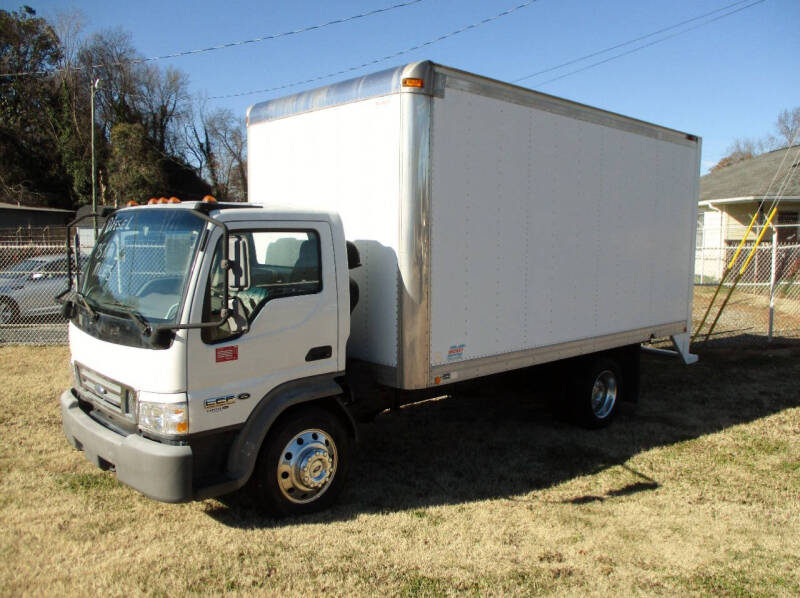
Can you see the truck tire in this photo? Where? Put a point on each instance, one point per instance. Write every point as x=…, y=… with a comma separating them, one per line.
x=302, y=464
x=597, y=393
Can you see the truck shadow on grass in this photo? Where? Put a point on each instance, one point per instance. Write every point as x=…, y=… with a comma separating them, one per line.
x=501, y=440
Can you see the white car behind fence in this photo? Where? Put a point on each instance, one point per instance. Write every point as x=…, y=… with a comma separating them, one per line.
x=29, y=312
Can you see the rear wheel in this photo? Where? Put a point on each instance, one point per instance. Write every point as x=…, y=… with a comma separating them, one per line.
x=597, y=392
x=9, y=312
x=302, y=464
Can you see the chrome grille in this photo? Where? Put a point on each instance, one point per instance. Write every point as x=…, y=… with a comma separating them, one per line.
x=107, y=391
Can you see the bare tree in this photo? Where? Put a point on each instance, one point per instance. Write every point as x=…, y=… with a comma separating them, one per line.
x=199, y=147
x=230, y=135
x=110, y=56
x=788, y=127
x=741, y=149
x=216, y=143
x=164, y=101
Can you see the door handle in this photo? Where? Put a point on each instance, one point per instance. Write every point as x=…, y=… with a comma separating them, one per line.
x=319, y=353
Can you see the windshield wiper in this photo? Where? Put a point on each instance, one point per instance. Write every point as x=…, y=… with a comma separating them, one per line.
x=136, y=317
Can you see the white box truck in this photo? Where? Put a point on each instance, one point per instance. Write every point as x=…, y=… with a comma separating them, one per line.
x=409, y=230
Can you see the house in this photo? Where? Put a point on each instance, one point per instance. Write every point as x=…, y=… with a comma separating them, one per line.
x=731, y=195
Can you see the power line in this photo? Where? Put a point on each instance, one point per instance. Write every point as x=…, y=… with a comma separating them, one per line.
x=627, y=43
x=384, y=58
x=285, y=33
x=254, y=40
x=643, y=46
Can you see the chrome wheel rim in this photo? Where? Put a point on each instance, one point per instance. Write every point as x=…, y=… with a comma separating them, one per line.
x=307, y=466
x=604, y=394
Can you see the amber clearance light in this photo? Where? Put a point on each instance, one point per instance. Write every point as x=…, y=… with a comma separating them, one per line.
x=413, y=82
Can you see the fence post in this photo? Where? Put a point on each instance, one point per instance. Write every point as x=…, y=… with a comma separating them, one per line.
x=772, y=272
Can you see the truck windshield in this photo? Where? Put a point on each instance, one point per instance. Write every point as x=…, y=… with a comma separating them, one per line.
x=141, y=263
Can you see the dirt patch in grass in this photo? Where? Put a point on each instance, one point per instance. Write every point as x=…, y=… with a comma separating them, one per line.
x=696, y=491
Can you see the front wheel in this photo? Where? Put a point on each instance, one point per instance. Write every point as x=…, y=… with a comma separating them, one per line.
x=302, y=464
x=597, y=392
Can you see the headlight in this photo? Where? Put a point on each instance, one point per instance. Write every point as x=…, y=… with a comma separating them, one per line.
x=165, y=419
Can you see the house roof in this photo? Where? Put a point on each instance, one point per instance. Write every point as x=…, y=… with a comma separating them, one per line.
x=13, y=206
x=751, y=178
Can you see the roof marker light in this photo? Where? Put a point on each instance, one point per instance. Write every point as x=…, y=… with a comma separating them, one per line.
x=413, y=82
x=132, y=203
x=209, y=199
x=152, y=201
x=163, y=200
x=174, y=199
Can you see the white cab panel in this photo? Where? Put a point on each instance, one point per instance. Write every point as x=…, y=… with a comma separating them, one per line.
x=158, y=371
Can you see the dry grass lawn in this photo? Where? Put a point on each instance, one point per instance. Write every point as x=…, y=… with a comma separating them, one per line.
x=695, y=492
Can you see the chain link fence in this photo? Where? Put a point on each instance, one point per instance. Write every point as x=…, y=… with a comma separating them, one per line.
x=766, y=298
x=31, y=275
x=33, y=235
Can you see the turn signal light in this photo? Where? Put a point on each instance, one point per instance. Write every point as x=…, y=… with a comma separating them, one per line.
x=413, y=82
x=209, y=199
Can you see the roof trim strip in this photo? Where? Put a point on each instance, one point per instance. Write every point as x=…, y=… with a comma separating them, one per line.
x=360, y=88
x=508, y=92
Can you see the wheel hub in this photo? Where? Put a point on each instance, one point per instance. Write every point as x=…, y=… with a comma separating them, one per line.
x=604, y=393
x=307, y=466
x=315, y=467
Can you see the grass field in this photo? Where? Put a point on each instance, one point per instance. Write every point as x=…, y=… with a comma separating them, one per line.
x=695, y=492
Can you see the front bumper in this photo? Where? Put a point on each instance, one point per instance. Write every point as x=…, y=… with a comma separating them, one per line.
x=160, y=471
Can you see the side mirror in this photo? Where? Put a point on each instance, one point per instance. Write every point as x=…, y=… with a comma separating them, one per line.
x=239, y=261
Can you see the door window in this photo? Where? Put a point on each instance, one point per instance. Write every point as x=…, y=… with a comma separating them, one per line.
x=282, y=264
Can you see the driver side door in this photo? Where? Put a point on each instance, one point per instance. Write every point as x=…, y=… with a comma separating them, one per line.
x=292, y=311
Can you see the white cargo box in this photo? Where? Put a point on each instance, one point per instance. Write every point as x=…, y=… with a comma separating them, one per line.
x=498, y=227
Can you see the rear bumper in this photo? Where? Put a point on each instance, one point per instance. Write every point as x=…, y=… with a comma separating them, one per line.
x=160, y=471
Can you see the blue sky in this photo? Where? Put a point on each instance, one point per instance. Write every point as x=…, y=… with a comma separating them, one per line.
x=725, y=80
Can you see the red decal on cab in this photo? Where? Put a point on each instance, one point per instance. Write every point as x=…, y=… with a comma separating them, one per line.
x=228, y=353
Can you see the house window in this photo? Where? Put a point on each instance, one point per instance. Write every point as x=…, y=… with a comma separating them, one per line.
x=787, y=227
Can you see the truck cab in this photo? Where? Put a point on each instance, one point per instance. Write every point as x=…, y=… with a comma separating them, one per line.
x=195, y=329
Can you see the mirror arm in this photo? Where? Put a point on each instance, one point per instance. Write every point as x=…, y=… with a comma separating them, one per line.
x=223, y=317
